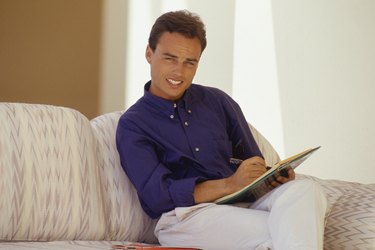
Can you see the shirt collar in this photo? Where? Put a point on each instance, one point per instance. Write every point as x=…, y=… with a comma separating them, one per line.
x=166, y=106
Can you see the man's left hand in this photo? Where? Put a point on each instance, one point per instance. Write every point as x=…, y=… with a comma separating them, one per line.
x=281, y=179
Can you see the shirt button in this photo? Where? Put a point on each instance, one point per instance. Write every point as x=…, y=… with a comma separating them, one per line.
x=186, y=124
x=174, y=105
x=196, y=149
x=189, y=111
x=171, y=116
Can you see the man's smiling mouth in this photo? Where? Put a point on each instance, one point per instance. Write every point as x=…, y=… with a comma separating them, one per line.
x=174, y=82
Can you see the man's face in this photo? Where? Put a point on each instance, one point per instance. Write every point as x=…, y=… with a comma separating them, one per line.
x=173, y=65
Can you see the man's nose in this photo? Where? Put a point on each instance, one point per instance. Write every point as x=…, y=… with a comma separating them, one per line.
x=178, y=68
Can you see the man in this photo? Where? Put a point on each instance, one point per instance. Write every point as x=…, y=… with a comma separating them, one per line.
x=175, y=144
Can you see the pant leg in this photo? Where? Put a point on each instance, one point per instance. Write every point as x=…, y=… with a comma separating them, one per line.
x=214, y=227
x=296, y=219
x=289, y=217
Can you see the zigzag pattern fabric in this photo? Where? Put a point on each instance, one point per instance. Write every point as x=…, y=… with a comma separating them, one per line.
x=126, y=219
x=49, y=181
x=350, y=217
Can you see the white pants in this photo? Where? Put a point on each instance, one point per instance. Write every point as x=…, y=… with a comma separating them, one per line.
x=289, y=217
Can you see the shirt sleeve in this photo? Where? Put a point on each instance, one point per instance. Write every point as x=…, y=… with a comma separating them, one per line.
x=157, y=188
x=243, y=142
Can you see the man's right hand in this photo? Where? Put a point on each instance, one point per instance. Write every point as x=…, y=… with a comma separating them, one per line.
x=247, y=172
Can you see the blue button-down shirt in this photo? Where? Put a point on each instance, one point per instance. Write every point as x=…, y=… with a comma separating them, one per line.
x=167, y=147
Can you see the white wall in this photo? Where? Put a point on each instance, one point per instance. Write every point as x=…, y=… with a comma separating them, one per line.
x=140, y=19
x=113, y=56
x=255, y=83
x=326, y=60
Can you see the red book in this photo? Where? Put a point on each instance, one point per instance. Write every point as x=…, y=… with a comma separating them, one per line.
x=148, y=247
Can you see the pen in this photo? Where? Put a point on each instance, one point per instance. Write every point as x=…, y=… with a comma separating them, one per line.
x=235, y=161
x=238, y=162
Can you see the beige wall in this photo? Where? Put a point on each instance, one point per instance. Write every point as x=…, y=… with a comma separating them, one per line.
x=50, y=53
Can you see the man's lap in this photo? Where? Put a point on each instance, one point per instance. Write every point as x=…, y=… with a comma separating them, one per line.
x=212, y=226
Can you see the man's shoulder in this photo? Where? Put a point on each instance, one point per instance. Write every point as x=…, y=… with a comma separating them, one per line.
x=208, y=90
x=211, y=94
x=134, y=112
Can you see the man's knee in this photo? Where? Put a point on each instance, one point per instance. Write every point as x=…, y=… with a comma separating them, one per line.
x=308, y=187
x=307, y=184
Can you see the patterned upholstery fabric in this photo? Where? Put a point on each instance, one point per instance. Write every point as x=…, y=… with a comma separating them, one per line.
x=61, y=245
x=124, y=212
x=49, y=178
x=350, y=217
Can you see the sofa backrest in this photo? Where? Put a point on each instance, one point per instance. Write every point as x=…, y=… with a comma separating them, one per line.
x=49, y=175
x=269, y=153
x=125, y=215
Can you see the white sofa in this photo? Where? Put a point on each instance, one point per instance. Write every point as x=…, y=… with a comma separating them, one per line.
x=62, y=186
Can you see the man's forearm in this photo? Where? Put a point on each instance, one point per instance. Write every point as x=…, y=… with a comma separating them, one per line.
x=211, y=190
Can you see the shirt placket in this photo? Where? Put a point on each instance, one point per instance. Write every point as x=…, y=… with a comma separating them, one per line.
x=186, y=120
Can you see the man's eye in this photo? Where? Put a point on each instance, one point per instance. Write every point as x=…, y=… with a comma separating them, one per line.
x=189, y=63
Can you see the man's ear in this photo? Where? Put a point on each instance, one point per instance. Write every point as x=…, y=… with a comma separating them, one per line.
x=148, y=54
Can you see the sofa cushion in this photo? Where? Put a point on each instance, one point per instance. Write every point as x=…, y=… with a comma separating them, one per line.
x=49, y=181
x=126, y=218
x=350, y=215
x=269, y=153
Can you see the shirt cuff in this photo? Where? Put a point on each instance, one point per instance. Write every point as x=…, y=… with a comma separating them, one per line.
x=182, y=191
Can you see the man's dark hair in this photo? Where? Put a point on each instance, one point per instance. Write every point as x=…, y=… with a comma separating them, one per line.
x=183, y=22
